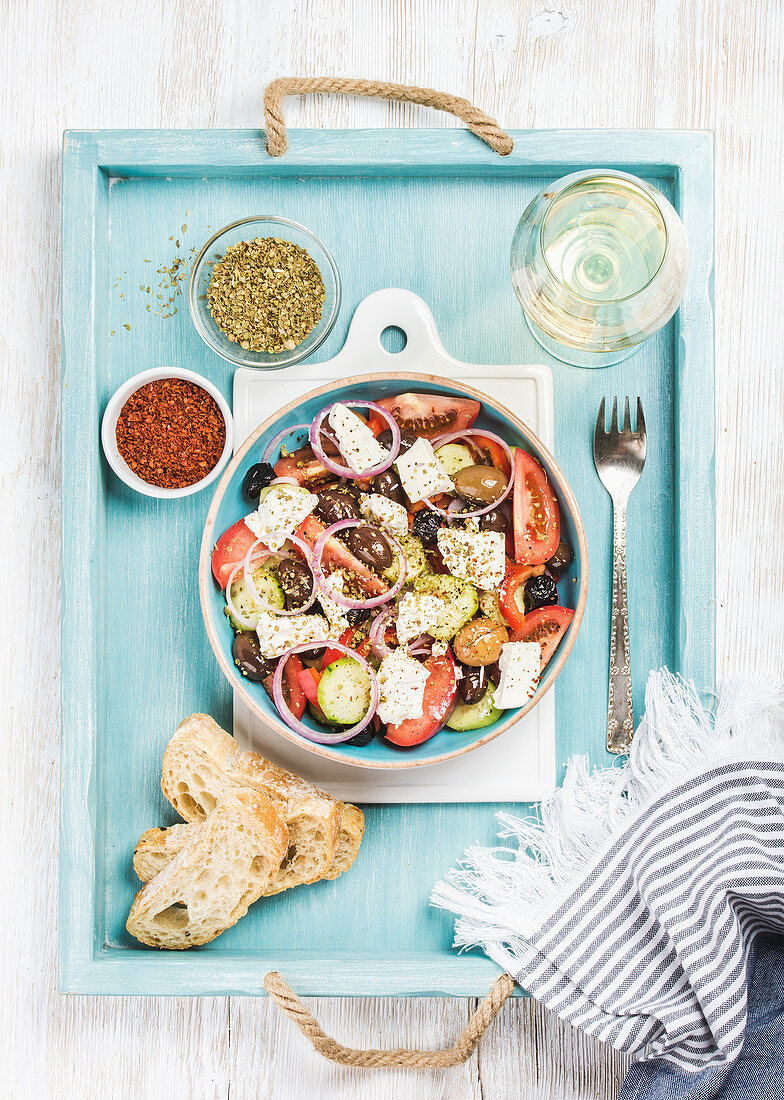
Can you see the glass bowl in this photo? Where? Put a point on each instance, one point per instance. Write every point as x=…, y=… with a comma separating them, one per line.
x=261, y=225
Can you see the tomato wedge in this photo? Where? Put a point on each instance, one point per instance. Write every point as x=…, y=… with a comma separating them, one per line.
x=309, y=682
x=516, y=575
x=545, y=625
x=426, y=414
x=292, y=688
x=339, y=555
x=303, y=466
x=230, y=550
x=437, y=704
x=537, y=521
x=496, y=452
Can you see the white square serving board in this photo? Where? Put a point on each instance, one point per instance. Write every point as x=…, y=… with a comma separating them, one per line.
x=519, y=765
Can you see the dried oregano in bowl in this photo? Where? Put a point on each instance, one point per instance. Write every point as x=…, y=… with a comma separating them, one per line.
x=266, y=294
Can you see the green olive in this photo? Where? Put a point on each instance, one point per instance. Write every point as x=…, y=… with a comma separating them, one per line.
x=480, y=485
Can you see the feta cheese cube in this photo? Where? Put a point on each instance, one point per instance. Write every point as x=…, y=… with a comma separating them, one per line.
x=421, y=474
x=418, y=613
x=335, y=613
x=476, y=556
x=282, y=509
x=387, y=513
x=358, y=445
x=277, y=633
x=401, y=683
x=520, y=664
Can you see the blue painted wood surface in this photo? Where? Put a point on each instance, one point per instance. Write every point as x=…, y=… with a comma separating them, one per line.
x=432, y=211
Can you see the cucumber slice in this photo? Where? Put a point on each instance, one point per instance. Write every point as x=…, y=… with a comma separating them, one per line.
x=416, y=562
x=454, y=457
x=270, y=591
x=475, y=716
x=488, y=605
x=460, y=599
x=344, y=692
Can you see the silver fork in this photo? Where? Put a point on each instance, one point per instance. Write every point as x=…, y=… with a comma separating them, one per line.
x=619, y=457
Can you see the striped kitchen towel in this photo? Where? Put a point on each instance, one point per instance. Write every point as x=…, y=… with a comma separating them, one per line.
x=628, y=905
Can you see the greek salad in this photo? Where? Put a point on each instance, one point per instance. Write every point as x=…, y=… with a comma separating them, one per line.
x=398, y=574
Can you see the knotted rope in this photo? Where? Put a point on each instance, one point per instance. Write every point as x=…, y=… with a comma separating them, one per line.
x=285, y=998
x=477, y=121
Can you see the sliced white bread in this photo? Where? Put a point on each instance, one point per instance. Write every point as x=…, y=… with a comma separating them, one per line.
x=158, y=847
x=225, y=864
x=203, y=763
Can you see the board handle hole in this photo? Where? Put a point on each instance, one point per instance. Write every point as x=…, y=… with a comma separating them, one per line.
x=393, y=339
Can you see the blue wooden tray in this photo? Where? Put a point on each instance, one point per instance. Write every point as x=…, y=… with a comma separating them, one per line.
x=433, y=211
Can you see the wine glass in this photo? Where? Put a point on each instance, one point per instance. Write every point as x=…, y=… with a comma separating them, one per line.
x=599, y=262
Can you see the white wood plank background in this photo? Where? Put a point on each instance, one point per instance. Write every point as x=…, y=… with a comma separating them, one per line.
x=547, y=63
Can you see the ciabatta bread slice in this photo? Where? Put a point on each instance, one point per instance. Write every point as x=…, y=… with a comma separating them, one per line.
x=202, y=764
x=158, y=847
x=225, y=864
x=352, y=829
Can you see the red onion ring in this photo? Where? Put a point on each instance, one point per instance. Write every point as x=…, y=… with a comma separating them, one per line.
x=467, y=432
x=252, y=584
x=341, y=601
x=377, y=631
x=322, y=737
x=346, y=471
x=269, y=450
x=283, y=481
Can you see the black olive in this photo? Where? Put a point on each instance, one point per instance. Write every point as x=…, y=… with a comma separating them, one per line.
x=257, y=477
x=356, y=615
x=363, y=738
x=494, y=673
x=493, y=521
x=540, y=592
x=296, y=581
x=370, y=547
x=388, y=485
x=248, y=658
x=474, y=683
x=561, y=559
x=337, y=504
x=426, y=526
x=407, y=440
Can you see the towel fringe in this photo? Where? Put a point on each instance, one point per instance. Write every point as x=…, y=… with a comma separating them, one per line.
x=503, y=895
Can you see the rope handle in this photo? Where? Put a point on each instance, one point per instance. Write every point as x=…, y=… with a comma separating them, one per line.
x=287, y=1000
x=477, y=121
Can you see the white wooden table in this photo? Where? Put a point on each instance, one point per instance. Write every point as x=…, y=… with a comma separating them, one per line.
x=541, y=63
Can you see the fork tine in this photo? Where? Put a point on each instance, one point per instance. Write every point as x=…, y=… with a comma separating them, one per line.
x=640, y=433
x=600, y=429
x=627, y=419
x=614, y=418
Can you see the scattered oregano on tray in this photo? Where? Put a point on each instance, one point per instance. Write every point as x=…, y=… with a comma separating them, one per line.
x=266, y=294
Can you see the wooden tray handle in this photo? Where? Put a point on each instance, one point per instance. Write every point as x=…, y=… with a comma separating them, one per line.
x=477, y=121
x=287, y=1000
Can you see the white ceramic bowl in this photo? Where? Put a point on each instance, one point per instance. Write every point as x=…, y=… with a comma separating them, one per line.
x=109, y=429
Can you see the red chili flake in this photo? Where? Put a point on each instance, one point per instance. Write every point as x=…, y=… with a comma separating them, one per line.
x=171, y=433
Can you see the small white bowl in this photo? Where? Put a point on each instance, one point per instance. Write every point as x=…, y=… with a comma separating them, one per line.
x=109, y=432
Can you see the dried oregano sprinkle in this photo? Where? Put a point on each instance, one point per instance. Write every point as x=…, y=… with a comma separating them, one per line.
x=266, y=294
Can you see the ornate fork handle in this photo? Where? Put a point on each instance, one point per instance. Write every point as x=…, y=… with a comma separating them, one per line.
x=620, y=715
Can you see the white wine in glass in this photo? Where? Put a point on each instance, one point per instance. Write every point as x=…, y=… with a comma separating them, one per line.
x=599, y=263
